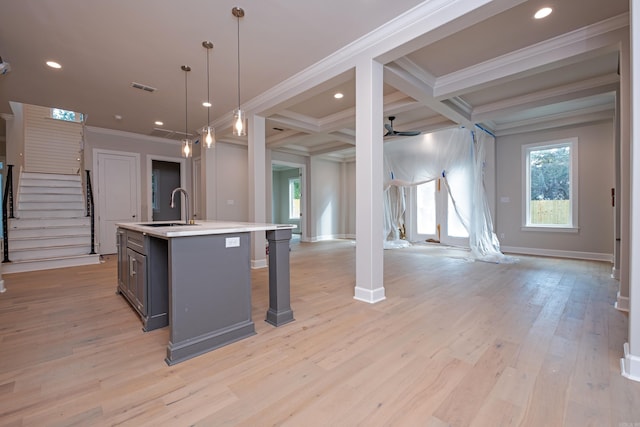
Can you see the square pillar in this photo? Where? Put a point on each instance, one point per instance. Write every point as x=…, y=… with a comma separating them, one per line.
x=369, y=181
x=257, y=187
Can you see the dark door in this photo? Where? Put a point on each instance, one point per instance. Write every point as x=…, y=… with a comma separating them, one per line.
x=165, y=176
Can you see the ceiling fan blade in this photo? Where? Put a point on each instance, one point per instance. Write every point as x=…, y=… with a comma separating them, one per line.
x=408, y=133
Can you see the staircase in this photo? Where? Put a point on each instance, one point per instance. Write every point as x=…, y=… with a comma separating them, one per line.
x=50, y=229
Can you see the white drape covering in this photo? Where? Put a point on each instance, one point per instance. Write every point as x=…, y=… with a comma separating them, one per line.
x=458, y=156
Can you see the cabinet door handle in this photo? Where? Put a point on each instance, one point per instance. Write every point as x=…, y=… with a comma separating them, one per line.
x=132, y=266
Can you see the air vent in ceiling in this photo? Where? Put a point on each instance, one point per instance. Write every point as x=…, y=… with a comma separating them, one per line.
x=143, y=87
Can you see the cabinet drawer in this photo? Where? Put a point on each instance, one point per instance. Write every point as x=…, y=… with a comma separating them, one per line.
x=135, y=241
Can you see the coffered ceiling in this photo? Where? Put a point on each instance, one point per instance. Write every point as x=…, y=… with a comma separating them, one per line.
x=502, y=69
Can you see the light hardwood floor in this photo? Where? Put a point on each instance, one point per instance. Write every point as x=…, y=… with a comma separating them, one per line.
x=456, y=343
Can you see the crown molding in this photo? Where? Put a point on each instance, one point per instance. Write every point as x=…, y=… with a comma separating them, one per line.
x=402, y=30
x=124, y=134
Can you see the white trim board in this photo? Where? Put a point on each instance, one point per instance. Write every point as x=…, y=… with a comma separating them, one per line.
x=592, y=256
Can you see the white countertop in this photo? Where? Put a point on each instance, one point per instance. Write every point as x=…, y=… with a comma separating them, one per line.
x=200, y=228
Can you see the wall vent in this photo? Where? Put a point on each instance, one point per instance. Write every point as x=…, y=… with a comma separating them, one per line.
x=143, y=87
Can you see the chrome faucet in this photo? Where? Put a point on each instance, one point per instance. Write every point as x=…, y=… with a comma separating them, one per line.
x=186, y=201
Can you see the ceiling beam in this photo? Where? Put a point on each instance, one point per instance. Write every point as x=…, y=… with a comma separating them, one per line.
x=582, y=89
x=554, y=53
x=401, y=79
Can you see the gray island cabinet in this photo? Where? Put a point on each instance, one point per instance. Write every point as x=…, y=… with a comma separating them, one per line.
x=197, y=279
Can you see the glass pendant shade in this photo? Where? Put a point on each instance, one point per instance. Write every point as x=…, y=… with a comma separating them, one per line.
x=187, y=148
x=239, y=122
x=209, y=136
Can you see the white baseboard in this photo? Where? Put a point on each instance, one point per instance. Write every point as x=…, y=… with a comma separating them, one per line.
x=371, y=296
x=331, y=237
x=630, y=365
x=592, y=256
x=2, y=288
x=259, y=263
x=622, y=303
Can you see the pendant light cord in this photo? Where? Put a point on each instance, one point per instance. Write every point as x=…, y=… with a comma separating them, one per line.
x=186, y=105
x=238, y=21
x=208, y=92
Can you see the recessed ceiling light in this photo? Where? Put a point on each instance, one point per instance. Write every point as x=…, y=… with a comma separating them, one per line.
x=543, y=13
x=54, y=64
x=159, y=123
x=117, y=117
x=338, y=95
x=206, y=104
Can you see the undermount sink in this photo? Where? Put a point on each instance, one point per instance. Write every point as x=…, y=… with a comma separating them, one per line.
x=167, y=224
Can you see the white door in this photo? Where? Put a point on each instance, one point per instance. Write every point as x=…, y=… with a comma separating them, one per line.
x=118, y=189
x=434, y=217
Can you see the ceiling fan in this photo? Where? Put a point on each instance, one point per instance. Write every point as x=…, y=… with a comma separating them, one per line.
x=391, y=132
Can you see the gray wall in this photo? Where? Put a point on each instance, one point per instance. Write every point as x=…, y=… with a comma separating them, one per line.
x=596, y=178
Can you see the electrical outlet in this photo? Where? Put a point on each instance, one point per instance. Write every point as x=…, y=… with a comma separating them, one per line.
x=502, y=235
x=232, y=242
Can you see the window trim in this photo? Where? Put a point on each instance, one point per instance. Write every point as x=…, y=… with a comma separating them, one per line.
x=573, y=185
x=77, y=117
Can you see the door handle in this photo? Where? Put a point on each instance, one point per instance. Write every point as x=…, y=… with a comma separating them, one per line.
x=132, y=266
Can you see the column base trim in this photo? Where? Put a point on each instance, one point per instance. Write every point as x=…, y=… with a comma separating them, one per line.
x=630, y=365
x=615, y=273
x=622, y=303
x=258, y=263
x=371, y=296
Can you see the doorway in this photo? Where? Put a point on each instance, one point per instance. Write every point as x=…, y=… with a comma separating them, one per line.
x=118, y=191
x=165, y=177
x=288, y=196
x=434, y=217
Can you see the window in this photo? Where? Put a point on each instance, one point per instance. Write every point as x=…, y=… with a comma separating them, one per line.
x=66, y=115
x=551, y=185
x=294, y=198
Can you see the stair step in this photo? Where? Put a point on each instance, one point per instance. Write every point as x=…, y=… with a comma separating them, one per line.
x=19, y=223
x=50, y=197
x=50, y=176
x=38, y=189
x=49, y=263
x=49, y=252
x=50, y=231
x=63, y=205
x=43, y=242
x=53, y=213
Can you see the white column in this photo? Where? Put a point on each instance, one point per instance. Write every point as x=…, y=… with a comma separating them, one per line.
x=369, y=232
x=257, y=187
x=624, y=197
x=630, y=364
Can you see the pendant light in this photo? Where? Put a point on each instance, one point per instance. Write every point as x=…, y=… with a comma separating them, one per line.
x=187, y=145
x=239, y=118
x=209, y=132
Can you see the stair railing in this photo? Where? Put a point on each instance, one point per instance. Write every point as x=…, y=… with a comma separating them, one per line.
x=90, y=212
x=7, y=212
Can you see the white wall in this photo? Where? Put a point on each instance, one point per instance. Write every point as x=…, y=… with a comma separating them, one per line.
x=350, y=197
x=96, y=138
x=232, y=182
x=326, y=183
x=596, y=165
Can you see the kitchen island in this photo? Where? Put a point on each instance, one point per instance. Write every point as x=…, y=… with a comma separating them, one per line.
x=196, y=278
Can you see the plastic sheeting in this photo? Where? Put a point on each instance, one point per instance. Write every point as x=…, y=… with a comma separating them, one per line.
x=458, y=156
